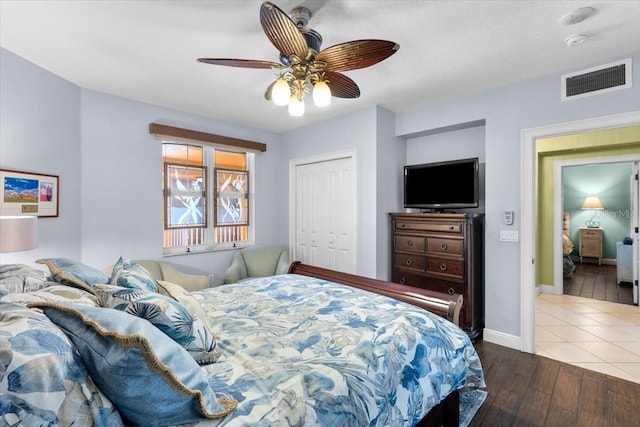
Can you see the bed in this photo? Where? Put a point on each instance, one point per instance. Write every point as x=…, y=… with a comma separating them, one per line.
x=568, y=265
x=311, y=347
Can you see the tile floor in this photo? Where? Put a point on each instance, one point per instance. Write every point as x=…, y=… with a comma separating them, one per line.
x=593, y=334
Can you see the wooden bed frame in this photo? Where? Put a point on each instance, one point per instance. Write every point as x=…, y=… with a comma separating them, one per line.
x=447, y=412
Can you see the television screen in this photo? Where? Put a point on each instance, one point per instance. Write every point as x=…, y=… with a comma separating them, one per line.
x=443, y=185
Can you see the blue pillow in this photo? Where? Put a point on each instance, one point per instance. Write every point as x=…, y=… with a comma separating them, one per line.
x=149, y=377
x=74, y=273
x=130, y=274
x=43, y=380
x=166, y=314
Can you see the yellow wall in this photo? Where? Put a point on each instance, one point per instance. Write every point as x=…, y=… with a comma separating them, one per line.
x=604, y=143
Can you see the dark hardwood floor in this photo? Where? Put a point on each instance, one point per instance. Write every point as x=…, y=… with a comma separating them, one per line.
x=598, y=282
x=529, y=390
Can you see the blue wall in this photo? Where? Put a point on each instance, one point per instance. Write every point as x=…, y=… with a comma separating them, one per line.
x=109, y=167
x=610, y=183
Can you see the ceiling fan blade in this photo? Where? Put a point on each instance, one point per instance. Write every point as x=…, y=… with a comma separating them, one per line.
x=282, y=31
x=242, y=63
x=342, y=86
x=357, y=54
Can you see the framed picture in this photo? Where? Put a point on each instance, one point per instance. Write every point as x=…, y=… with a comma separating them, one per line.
x=26, y=193
x=232, y=197
x=185, y=196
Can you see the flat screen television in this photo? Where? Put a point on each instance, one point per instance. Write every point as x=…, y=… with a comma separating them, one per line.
x=442, y=186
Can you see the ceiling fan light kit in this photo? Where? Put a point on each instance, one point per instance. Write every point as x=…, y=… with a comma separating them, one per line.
x=303, y=67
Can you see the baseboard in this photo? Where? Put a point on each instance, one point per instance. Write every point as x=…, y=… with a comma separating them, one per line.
x=500, y=338
x=548, y=289
x=586, y=260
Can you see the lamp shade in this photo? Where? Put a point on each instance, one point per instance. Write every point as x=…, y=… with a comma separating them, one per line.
x=18, y=233
x=592, y=202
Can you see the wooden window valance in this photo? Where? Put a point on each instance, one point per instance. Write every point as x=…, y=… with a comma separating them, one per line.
x=181, y=134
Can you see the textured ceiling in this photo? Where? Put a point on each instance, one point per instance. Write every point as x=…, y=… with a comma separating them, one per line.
x=147, y=50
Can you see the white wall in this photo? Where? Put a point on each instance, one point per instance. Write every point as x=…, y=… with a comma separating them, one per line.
x=40, y=132
x=506, y=113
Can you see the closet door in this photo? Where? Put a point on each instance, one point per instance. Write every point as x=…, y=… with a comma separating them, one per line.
x=325, y=214
x=635, y=225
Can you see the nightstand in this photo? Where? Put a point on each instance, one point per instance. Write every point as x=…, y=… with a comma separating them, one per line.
x=590, y=243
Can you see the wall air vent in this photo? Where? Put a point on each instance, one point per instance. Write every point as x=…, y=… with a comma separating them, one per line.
x=597, y=80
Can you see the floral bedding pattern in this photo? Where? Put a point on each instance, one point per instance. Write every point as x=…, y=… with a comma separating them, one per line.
x=303, y=351
x=42, y=379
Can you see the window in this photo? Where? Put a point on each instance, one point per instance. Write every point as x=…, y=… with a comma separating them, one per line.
x=206, y=198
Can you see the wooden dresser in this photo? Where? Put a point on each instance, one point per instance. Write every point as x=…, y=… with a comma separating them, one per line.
x=442, y=252
x=590, y=245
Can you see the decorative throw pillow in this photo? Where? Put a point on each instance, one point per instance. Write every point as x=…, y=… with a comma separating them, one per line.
x=130, y=274
x=150, y=378
x=166, y=314
x=74, y=273
x=43, y=380
x=184, y=297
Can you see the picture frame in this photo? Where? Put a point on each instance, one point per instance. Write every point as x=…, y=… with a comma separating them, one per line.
x=185, y=196
x=29, y=194
x=231, y=197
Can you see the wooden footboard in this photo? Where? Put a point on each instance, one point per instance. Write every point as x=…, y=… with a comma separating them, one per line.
x=444, y=305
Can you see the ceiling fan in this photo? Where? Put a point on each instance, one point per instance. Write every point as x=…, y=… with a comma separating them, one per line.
x=303, y=66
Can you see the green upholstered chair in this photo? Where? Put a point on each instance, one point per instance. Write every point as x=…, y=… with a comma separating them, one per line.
x=257, y=261
x=167, y=272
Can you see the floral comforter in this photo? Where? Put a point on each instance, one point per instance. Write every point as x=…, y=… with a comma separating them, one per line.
x=303, y=351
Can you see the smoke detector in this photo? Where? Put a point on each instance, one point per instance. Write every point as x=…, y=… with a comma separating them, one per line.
x=576, y=39
x=576, y=16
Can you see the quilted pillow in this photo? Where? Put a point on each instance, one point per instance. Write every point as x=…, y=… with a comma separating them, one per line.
x=16, y=278
x=74, y=273
x=42, y=378
x=54, y=292
x=129, y=274
x=166, y=314
x=150, y=378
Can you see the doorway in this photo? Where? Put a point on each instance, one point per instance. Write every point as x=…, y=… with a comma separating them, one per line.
x=530, y=209
x=589, y=268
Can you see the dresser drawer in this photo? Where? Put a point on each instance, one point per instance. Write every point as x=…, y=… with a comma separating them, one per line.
x=410, y=243
x=450, y=267
x=431, y=283
x=596, y=233
x=439, y=227
x=413, y=262
x=449, y=246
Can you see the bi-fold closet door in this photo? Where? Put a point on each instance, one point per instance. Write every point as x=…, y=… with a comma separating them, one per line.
x=325, y=214
x=635, y=225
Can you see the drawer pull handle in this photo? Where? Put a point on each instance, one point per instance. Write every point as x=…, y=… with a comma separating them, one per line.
x=443, y=267
x=403, y=281
x=402, y=225
x=451, y=227
x=451, y=291
x=409, y=261
x=409, y=243
x=443, y=246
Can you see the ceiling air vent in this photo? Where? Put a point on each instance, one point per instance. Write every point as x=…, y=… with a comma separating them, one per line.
x=597, y=80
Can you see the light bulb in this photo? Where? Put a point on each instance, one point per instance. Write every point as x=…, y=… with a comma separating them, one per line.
x=321, y=94
x=296, y=106
x=280, y=92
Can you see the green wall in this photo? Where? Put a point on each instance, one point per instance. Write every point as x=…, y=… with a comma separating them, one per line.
x=610, y=183
x=604, y=143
